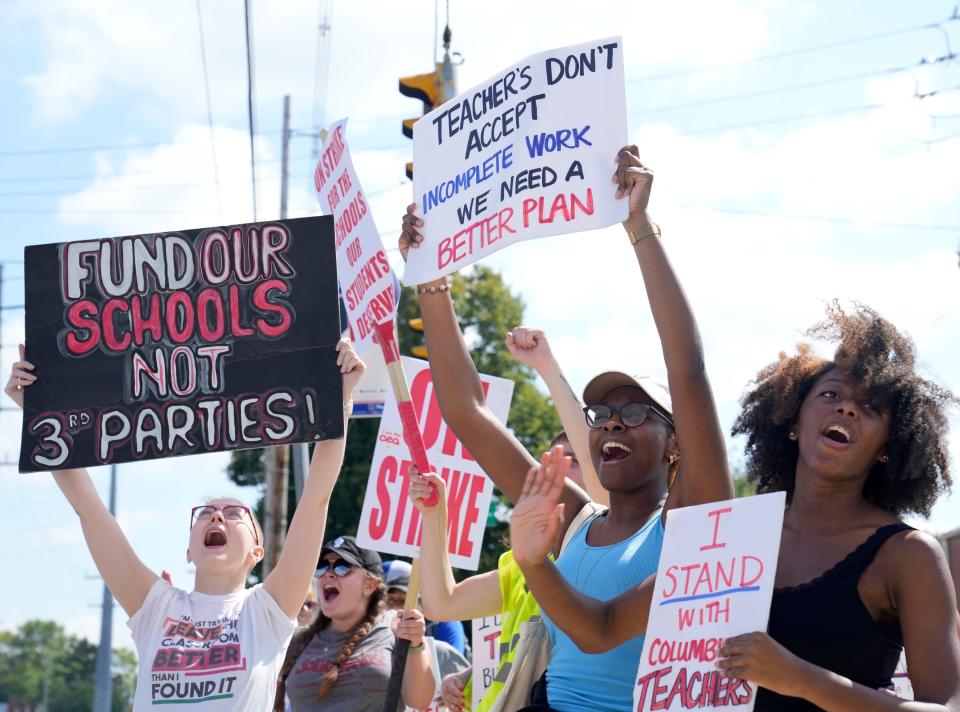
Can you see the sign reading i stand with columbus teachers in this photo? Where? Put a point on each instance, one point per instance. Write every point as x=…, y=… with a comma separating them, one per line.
x=714, y=581
x=178, y=343
x=528, y=153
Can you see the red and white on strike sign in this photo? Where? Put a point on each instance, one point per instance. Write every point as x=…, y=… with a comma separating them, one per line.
x=389, y=522
x=366, y=283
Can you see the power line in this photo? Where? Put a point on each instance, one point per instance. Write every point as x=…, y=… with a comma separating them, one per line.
x=180, y=170
x=116, y=189
x=797, y=87
x=810, y=115
x=112, y=147
x=206, y=87
x=253, y=160
x=793, y=52
x=826, y=219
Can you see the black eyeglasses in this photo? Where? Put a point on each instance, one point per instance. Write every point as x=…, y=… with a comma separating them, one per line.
x=340, y=568
x=632, y=415
x=231, y=513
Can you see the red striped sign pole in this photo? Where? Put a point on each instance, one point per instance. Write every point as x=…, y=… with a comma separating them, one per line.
x=418, y=452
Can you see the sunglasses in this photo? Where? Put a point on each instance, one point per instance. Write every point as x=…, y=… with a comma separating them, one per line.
x=340, y=568
x=230, y=512
x=632, y=415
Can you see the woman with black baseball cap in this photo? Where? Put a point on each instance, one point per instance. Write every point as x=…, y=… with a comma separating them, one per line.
x=343, y=660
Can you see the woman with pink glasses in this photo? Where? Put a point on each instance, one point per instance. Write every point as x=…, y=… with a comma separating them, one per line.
x=221, y=644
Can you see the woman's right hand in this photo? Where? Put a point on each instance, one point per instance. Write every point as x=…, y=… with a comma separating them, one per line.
x=530, y=346
x=20, y=378
x=538, y=514
x=422, y=487
x=409, y=233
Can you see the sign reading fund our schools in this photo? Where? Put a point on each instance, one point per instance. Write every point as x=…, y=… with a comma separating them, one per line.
x=388, y=521
x=528, y=153
x=184, y=342
x=714, y=581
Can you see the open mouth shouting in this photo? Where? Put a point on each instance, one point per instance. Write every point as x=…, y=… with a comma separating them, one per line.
x=613, y=451
x=330, y=593
x=215, y=539
x=837, y=436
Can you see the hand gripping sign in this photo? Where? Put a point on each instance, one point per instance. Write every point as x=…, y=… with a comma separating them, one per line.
x=362, y=266
x=528, y=153
x=177, y=343
x=714, y=581
x=389, y=521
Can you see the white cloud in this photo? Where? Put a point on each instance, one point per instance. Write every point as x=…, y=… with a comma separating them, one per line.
x=150, y=50
x=172, y=185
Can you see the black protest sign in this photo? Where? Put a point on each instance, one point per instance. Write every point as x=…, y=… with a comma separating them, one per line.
x=179, y=343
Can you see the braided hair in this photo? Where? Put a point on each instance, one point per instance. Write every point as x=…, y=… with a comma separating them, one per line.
x=301, y=639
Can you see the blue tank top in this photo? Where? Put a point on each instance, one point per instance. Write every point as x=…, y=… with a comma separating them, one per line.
x=578, y=681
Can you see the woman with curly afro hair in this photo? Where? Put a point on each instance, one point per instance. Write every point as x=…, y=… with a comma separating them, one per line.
x=856, y=442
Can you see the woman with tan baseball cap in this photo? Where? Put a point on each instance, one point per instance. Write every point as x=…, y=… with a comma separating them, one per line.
x=634, y=441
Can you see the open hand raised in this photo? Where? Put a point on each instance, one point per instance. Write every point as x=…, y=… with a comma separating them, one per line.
x=538, y=514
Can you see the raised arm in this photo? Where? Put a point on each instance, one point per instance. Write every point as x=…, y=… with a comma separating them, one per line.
x=595, y=626
x=127, y=577
x=922, y=595
x=460, y=392
x=530, y=346
x=443, y=598
x=704, y=474
x=301, y=549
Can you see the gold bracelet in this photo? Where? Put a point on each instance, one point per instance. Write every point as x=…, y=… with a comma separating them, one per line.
x=634, y=239
x=434, y=289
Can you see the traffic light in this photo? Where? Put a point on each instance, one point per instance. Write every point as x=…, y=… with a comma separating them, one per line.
x=432, y=88
x=426, y=88
x=418, y=350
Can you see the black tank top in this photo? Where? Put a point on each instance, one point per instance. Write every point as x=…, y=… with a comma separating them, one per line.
x=825, y=622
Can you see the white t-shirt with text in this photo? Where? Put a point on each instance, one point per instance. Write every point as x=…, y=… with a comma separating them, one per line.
x=221, y=652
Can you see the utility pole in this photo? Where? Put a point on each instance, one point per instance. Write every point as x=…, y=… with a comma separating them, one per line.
x=103, y=681
x=277, y=459
x=285, y=165
x=298, y=456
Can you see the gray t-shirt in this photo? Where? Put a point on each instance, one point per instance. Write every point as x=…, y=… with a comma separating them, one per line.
x=362, y=685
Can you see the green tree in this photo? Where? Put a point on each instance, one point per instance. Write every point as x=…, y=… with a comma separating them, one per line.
x=41, y=657
x=487, y=309
x=741, y=485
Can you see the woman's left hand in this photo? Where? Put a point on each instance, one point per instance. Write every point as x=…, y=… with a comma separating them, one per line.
x=350, y=365
x=411, y=626
x=760, y=659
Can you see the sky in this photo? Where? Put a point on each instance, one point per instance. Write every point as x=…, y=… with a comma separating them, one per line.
x=802, y=151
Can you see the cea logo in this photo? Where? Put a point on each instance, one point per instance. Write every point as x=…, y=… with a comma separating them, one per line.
x=392, y=438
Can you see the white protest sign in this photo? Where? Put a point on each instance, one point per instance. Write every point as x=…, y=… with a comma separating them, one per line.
x=362, y=265
x=389, y=522
x=714, y=581
x=528, y=153
x=486, y=654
